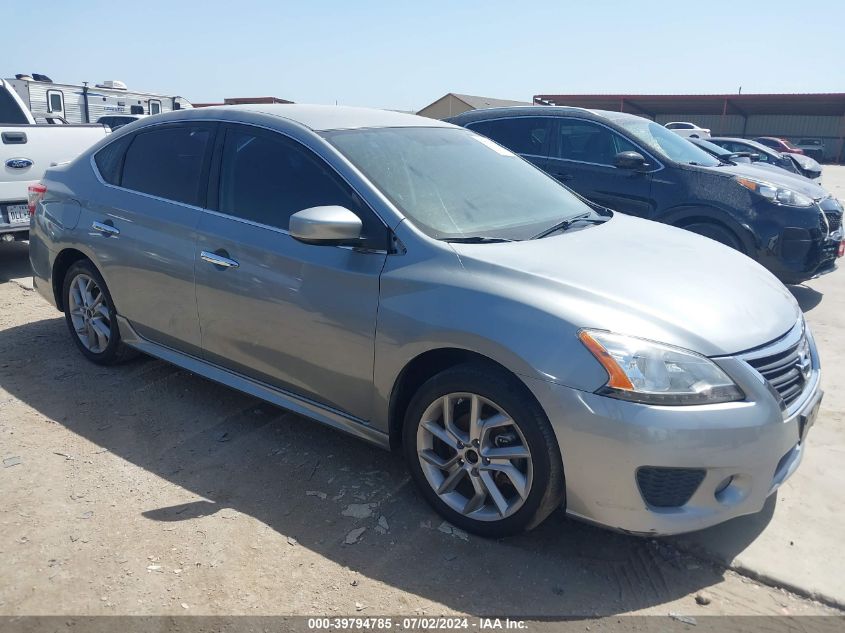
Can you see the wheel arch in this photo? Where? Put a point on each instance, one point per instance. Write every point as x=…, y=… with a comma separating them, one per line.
x=64, y=260
x=682, y=217
x=423, y=367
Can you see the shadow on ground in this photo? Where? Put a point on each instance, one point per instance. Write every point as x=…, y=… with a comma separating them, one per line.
x=14, y=260
x=723, y=543
x=808, y=298
x=242, y=454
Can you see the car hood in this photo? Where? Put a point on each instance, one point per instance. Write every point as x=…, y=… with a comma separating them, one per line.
x=644, y=279
x=806, y=162
x=779, y=177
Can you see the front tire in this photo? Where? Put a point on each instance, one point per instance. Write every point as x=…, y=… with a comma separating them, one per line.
x=482, y=451
x=91, y=317
x=717, y=233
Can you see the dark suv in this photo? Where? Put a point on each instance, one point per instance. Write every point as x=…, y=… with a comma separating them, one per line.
x=630, y=164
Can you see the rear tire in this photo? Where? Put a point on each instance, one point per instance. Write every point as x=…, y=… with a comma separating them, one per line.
x=91, y=317
x=717, y=233
x=482, y=451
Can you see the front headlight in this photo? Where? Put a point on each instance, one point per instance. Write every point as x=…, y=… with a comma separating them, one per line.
x=778, y=195
x=653, y=373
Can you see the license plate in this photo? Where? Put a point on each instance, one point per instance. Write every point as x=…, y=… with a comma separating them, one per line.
x=806, y=419
x=18, y=213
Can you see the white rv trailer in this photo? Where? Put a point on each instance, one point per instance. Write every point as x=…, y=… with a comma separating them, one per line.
x=86, y=104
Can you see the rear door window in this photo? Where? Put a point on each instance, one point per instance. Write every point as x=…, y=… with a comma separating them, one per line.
x=588, y=142
x=169, y=162
x=524, y=135
x=109, y=160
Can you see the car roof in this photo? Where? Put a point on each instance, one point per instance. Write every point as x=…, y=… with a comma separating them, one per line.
x=320, y=118
x=536, y=110
x=747, y=141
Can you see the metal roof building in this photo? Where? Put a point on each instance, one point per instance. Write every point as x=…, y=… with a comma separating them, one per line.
x=452, y=104
x=242, y=101
x=790, y=116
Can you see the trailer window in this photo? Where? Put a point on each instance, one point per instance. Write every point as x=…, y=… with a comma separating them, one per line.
x=55, y=101
x=155, y=106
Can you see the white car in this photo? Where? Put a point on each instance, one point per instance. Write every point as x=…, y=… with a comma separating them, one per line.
x=687, y=129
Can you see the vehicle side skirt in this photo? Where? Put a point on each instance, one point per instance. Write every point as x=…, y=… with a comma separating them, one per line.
x=279, y=397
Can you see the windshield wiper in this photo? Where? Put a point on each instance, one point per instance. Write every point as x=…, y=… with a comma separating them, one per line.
x=567, y=224
x=476, y=239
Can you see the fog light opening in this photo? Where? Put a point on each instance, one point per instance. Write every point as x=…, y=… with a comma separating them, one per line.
x=725, y=483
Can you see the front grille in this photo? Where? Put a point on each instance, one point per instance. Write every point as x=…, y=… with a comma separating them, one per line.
x=785, y=371
x=834, y=221
x=668, y=487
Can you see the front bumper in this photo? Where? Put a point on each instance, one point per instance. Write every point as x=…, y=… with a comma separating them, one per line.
x=802, y=245
x=753, y=444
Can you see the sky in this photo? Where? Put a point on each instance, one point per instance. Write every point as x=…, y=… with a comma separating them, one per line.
x=405, y=55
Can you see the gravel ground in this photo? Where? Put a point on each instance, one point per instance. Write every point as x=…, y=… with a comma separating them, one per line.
x=143, y=489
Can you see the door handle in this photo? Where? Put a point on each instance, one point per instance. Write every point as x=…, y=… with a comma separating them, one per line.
x=564, y=177
x=106, y=229
x=218, y=260
x=14, y=138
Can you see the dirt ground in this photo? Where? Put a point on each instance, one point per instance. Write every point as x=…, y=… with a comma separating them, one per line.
x=142, y=489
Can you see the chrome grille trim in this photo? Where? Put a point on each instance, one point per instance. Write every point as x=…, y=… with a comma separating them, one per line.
x=786, y=364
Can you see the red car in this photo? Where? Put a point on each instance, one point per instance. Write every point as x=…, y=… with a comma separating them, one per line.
x=779, y=144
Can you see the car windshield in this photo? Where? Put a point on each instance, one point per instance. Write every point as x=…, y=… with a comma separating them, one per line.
x=712, y=148
x=453, y=183
x=666, y=142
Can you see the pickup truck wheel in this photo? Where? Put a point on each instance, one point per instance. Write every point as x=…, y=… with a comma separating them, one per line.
x=718, y=233
x=91, y=317
x=482, y=451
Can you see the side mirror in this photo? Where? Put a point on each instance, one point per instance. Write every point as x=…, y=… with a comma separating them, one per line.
x=630, y=160
x=754, y=157
x=332, y=225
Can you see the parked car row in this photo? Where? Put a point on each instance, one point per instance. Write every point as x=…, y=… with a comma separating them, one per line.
x=796, y=163
x=631, y=164
x=687, y=130
x=526, y=345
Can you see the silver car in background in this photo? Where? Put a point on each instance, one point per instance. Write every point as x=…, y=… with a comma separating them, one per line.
x=423, y=288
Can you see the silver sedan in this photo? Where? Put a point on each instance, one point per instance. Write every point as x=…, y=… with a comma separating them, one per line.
x=423, y=288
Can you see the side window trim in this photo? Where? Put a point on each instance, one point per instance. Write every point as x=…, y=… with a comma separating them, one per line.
x=214, y=179
x=204, y=170
x=634, y=142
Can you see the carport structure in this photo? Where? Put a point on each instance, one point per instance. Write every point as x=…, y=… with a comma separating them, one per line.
x=792, y=116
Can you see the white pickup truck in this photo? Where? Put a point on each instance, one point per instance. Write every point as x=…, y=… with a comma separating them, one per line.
x=27, y=150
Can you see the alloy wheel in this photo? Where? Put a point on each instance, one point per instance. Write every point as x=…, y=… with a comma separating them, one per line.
x=89, y=314
x=474, y=456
